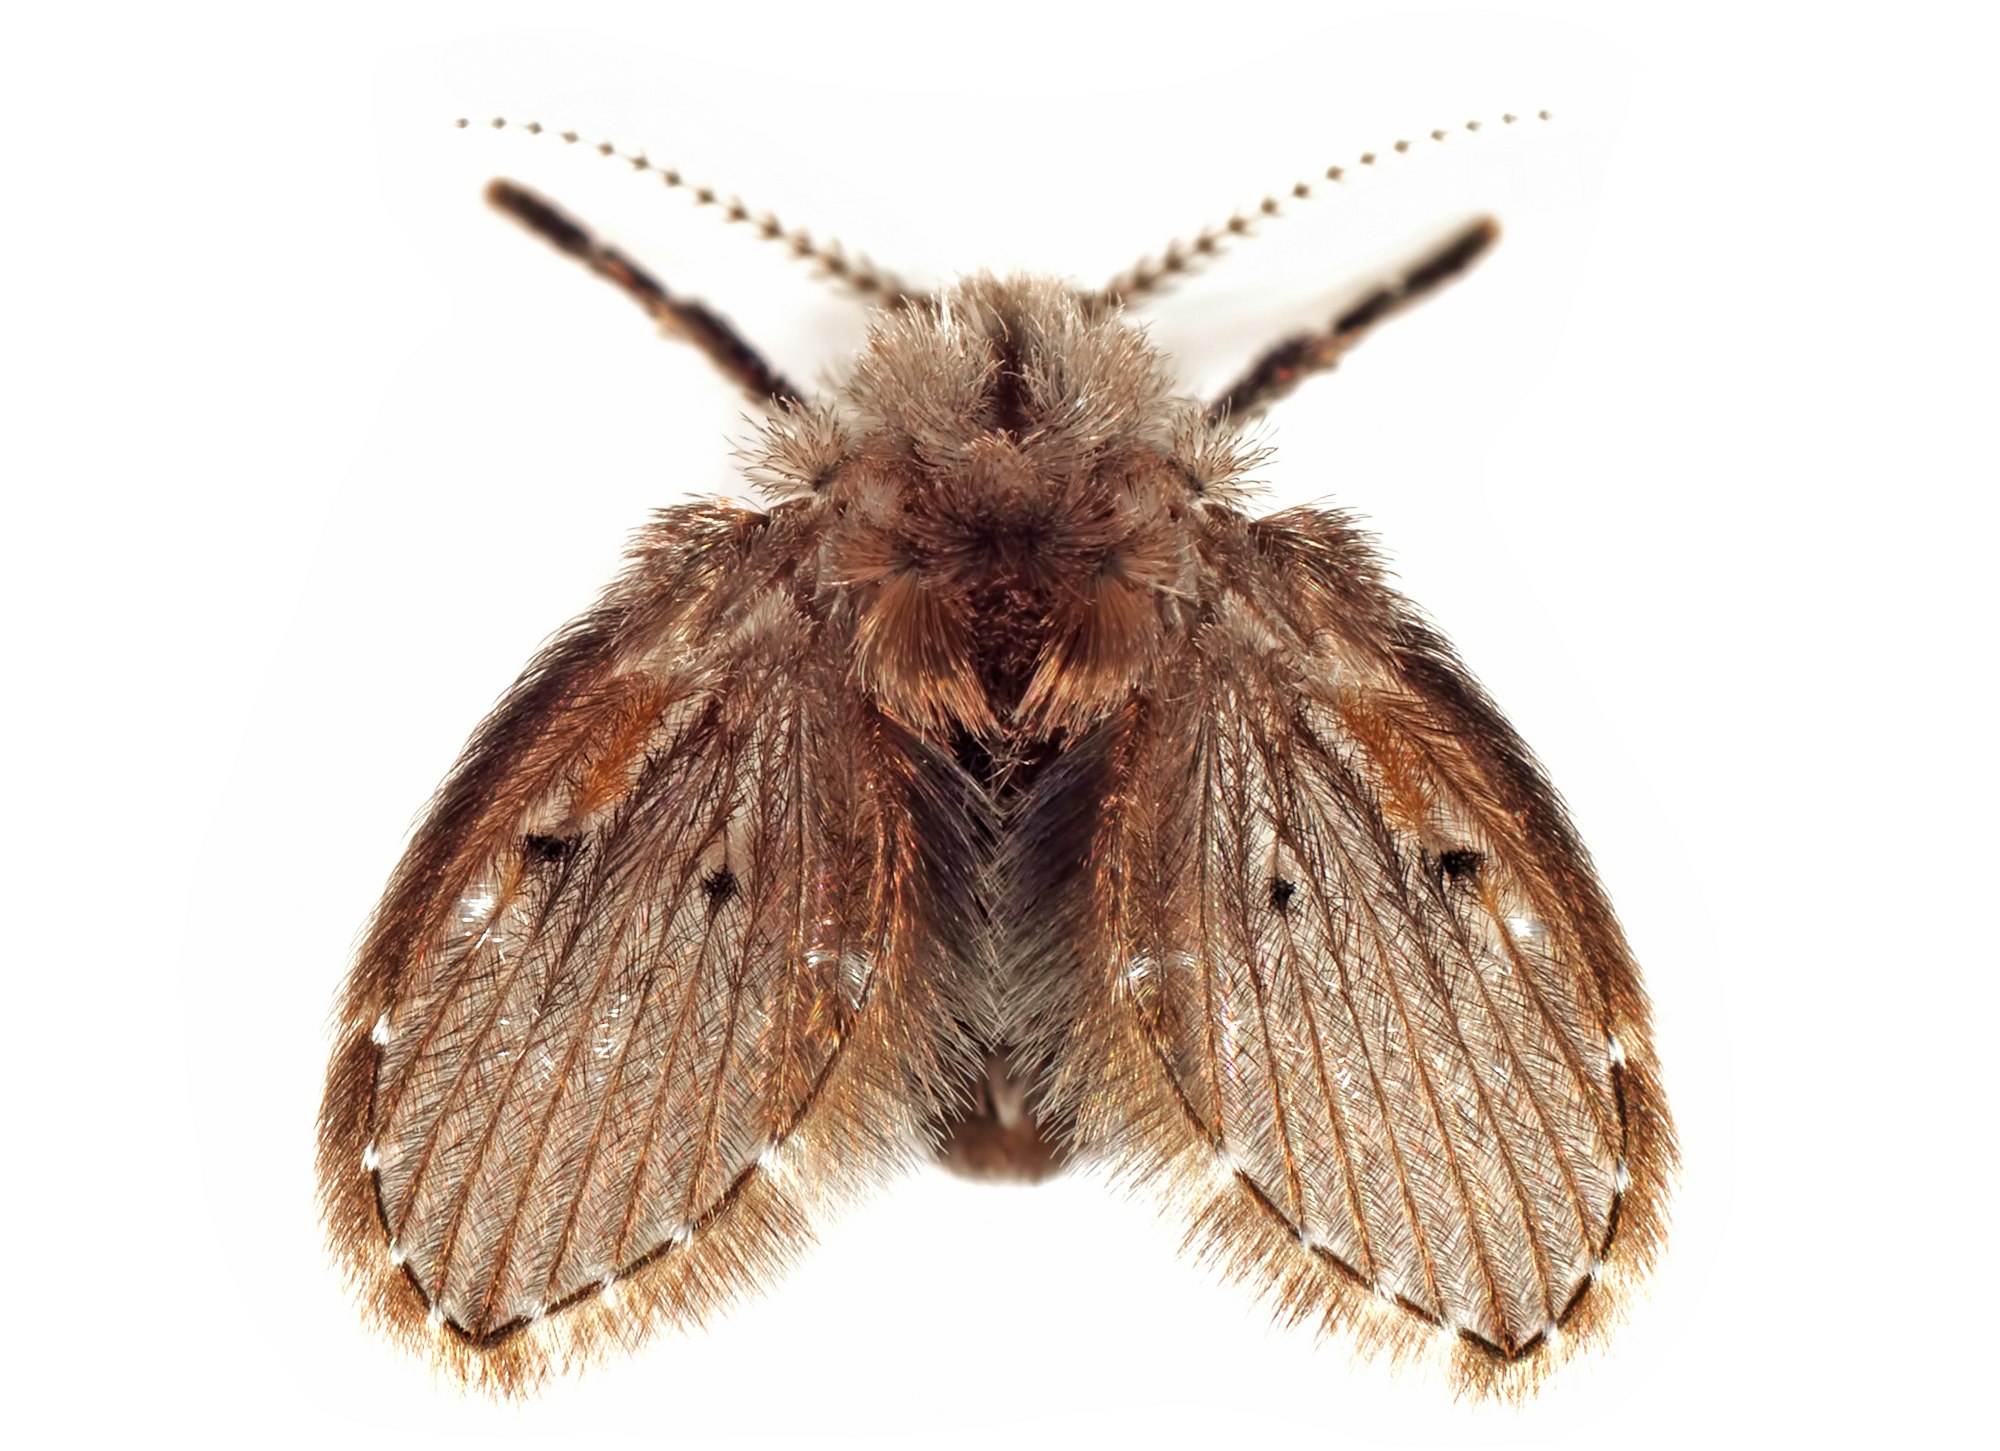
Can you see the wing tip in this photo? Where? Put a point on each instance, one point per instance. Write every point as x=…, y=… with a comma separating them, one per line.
x=845, y=1143
x=1237, y=1236
x=742, y=1245
x=1236, y=1231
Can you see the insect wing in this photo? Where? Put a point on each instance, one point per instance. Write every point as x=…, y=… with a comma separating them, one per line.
x=1351, y=984
x=638, y=997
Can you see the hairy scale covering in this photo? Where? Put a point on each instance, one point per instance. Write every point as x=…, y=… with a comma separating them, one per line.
x=1003, y=725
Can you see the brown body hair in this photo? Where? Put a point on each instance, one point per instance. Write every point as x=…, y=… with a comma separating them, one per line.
x=1002, y=790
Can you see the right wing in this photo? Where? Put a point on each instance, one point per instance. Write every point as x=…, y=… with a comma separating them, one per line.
x=647, y=985
x=1345, y=979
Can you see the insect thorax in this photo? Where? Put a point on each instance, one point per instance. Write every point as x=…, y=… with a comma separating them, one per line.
x=1014, y=497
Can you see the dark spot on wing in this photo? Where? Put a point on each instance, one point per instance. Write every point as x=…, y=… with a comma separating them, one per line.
x=1460, y=864
x=549, y=850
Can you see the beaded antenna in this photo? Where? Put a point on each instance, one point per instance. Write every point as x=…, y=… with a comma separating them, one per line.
x=1003, y=792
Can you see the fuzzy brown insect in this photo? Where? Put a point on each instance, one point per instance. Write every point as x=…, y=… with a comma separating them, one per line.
x=1003, y=791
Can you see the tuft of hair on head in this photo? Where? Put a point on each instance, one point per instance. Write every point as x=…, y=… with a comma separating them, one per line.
x=797, y=450
x=1218, y=459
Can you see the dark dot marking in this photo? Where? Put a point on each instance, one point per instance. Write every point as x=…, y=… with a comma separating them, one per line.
x=720, y=886
x=1281, y=892
x=549, y=850
x=1460, y=864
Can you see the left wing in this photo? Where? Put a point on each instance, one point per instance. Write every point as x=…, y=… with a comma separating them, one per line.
x=655, y=978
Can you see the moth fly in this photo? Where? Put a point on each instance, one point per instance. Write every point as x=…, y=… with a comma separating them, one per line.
x=1002, y=792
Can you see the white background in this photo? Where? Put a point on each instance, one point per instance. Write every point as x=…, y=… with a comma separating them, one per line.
x=306, y=451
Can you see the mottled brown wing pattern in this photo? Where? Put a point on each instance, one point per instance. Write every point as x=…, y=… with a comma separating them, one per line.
x=641, y=993
x=1351, y=983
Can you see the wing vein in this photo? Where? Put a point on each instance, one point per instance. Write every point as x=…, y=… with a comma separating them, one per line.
x=1564, y=1043
x=1426, y=1259
x=462, y=1196
x=654, y=1112
x=465, y=1066
x=1287, y=831
x=1591, y=973
x=1338, y=773
x=705, y=1145
x=617, y=1082
x=788, y=990
x=578, y=1037
x=1211, y=1017
x=1530, y=1221
x=560, y=1083
x=1281, y=1123
x=388, y=1102
x=1542, y=1115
